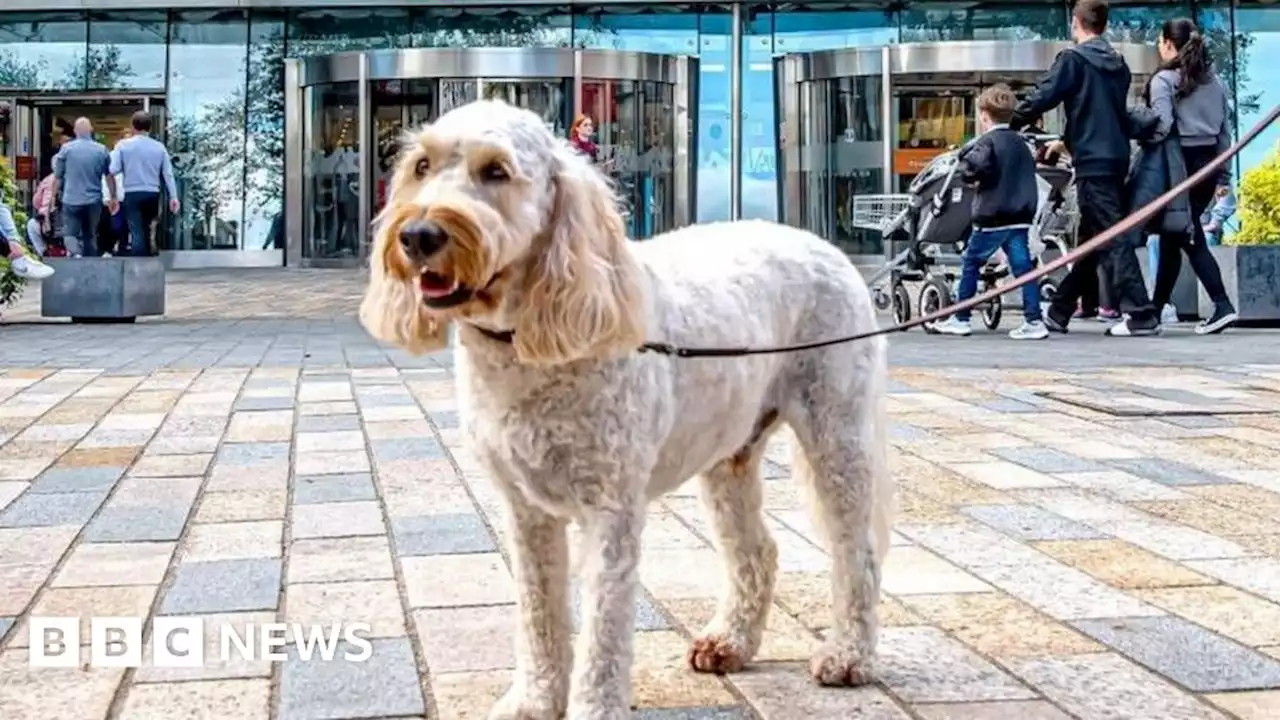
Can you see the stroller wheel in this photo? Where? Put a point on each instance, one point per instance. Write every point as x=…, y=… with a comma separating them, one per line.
x=901, y=303
x=992, y=311
x=1048, y=289
x=935, y=294
x=882, y=299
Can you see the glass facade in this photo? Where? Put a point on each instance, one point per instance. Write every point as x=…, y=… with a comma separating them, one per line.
x=216, y=77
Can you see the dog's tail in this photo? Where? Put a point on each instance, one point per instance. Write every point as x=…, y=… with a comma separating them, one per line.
x=874, y=453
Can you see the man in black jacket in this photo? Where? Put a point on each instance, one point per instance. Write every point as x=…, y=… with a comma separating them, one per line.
x=1091, y=81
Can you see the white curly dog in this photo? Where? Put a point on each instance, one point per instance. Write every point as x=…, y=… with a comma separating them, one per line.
x=499, y=228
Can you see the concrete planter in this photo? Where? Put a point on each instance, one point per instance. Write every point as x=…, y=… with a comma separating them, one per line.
x=1251, y=274
x=115, y=289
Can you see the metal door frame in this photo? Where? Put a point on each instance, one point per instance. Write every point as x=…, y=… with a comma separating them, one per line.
x=910, y=64
x=481, y=65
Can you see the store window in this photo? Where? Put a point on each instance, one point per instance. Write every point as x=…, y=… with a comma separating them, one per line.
x=715, y=112
x=1257, y=75
x=42, y=51
x=208, y=61
x=808, y=27
x=264, y=133
x=1141, y=22
x=322, y=32
x=940, y=21
x=759, y=176
x=126, y=51
x=535, y=26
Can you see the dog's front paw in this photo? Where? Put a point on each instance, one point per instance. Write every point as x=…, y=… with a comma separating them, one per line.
x=840, y=666
x=717, y=653
x=518, y=705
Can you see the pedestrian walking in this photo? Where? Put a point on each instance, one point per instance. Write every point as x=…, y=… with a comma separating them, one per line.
x=79, y=169
x=148, y=170
x=1194, y=128
x=1002, y=167
x=1091, y=82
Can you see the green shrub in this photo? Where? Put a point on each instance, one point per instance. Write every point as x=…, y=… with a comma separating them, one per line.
x=11, y=284
x=1260, y=204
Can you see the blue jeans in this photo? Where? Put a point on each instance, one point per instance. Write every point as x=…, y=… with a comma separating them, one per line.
x=80, y=223
x=140, y=210
x=982, y=245
x=1153, y=258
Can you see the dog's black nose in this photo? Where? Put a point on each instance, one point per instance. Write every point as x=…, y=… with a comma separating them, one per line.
x=422, y=238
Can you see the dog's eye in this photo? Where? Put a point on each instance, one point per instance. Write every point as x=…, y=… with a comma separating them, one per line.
x=422, y=168
x=494, y=172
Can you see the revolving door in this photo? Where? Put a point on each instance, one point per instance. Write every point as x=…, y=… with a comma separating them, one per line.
x=345, y=115
x=866, y=121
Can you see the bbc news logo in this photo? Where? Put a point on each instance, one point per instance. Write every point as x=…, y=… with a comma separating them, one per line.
x=181, y=642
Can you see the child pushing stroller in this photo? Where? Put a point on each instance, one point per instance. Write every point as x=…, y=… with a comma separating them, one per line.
x=1003, y=170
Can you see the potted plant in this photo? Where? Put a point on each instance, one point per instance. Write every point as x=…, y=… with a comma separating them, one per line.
x=11, y=284
x=1250, y=257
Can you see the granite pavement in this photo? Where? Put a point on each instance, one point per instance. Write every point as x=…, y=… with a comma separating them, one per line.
x=1073, y=541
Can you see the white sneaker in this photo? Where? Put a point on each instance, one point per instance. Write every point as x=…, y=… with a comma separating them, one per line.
x=1169, y=315
x=30, y=268
x=1030, y=331
x=952, y=326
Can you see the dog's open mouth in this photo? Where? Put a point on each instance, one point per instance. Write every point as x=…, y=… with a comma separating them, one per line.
x=442, y=291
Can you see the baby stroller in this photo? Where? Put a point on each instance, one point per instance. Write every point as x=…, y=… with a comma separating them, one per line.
x=928, y=227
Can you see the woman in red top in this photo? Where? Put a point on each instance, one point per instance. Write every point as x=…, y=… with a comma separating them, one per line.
x=580, y=137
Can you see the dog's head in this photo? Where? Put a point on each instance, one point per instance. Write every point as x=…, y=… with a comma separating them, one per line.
x=491, y=218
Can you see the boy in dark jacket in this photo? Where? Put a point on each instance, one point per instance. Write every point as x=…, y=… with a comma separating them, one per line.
x=1091, y=82
x=1002, y=167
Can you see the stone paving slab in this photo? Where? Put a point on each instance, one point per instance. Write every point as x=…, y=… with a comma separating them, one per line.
x=1049, y=561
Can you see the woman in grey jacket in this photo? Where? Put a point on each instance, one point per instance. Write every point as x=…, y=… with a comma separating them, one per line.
x=1193, y=109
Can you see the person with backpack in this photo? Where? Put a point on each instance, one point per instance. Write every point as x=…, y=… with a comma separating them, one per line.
x=1091, y=82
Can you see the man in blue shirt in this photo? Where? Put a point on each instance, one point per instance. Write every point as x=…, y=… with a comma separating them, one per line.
x=78, y=169
x=146, y=166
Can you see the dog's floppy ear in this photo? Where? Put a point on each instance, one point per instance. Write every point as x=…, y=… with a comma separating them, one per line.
x=392, y=310
x=583, y=293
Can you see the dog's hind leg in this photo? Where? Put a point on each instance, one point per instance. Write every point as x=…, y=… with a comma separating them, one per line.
x=733, y=496
x=841, y=465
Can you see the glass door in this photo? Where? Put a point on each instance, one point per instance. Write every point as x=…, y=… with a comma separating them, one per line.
x=656, y=172
x=399, y=106
x=550, y=99
x=331, y=171
x=614, y=107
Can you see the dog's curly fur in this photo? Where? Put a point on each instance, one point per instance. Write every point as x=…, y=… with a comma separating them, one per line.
x=576, y=426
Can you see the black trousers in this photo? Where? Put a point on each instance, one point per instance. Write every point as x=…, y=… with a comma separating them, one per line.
x=1101, y=202
x=1093, y=297
x=1173, y=245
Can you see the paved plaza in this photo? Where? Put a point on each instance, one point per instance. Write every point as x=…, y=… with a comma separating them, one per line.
x=1072, y=542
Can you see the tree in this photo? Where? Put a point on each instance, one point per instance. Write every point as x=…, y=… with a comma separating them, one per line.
x=16, y=73
x=1260, y=204
x=103, y=68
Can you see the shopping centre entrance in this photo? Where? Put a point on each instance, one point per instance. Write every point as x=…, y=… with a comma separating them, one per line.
x=345, y=115
x=33, y=128
x=867, y=120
